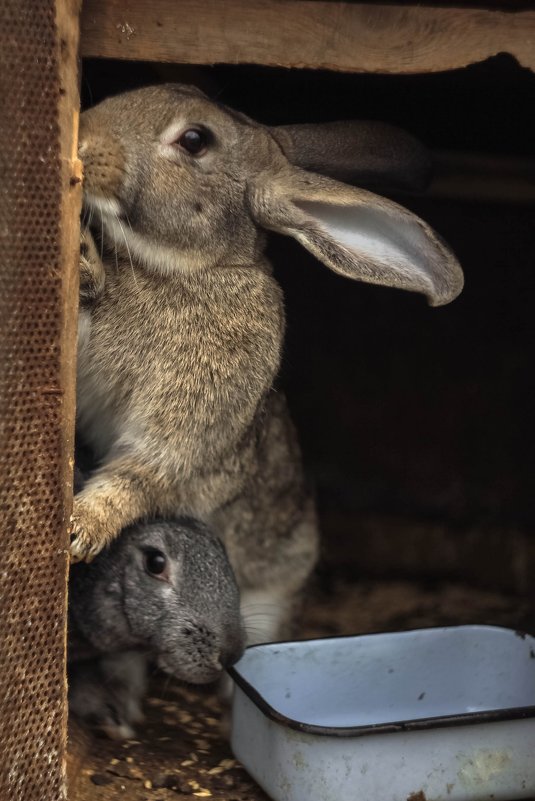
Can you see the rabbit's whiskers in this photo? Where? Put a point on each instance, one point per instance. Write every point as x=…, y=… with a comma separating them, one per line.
x=128, y=221
x=127, y=247
x=253, y=633
x=258, y=609
x=101, y=235
x=115, y=252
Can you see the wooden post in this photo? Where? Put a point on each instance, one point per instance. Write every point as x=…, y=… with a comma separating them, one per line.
x=40, y=195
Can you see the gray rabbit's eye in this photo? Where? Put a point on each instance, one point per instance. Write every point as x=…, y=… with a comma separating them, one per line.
x=194, y=141
x=156, y=563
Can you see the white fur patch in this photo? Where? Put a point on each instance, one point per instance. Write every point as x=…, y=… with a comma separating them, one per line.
x=154, y=256
x=107, y=205
x=173, y=131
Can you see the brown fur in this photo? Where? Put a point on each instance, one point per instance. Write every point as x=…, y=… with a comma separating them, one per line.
x=182, y=325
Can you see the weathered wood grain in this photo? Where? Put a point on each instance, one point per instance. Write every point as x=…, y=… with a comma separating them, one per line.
x=68, y=22
x=353, y=37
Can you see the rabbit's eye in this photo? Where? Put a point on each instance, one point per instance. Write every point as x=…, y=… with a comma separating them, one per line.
x=156, y=563
x=194, y=141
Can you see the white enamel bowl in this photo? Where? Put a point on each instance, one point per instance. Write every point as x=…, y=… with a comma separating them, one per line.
x=444, y=714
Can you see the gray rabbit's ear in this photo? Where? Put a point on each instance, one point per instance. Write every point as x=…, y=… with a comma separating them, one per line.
x=356, y=233
x=365, y=153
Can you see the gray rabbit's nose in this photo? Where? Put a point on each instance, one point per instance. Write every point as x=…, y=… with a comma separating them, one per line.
x=232, y=651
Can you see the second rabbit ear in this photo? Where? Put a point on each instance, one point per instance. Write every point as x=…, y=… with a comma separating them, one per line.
x=356, y=233
x=371, y=154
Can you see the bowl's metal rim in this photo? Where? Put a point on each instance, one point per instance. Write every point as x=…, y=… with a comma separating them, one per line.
x=418, y=724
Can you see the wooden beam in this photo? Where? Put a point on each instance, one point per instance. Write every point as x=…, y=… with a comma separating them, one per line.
x=351, y=37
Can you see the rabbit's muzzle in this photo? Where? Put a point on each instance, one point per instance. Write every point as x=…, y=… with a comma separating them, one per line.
x=104, y=167
x=198, y=655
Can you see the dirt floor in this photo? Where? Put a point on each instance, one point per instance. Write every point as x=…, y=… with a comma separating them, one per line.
x=181, y=751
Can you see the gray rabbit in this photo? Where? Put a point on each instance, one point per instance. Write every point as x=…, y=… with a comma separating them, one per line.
x=164, y=593
x=182, y=324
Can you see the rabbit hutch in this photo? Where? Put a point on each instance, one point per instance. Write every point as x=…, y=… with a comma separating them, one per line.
x=415, y=422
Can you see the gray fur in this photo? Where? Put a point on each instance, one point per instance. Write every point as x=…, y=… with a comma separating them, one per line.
x=121, y=617
x=106, y=693
x=362, y=152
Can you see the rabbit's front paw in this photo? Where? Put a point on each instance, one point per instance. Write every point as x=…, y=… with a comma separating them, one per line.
x=91, y=269
x=88, y=537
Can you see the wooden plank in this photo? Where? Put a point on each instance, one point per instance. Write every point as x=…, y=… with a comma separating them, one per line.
x=68, y=30
x=353, y=37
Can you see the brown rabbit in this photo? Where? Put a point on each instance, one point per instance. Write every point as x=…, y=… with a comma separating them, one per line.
x=182, y=323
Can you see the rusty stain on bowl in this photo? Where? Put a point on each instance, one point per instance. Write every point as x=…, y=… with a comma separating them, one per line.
x=419, y=796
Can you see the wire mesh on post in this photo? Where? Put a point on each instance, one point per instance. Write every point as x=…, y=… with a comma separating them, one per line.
x=35, y=437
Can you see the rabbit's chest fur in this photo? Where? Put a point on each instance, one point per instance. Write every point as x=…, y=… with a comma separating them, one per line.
x=163, y=360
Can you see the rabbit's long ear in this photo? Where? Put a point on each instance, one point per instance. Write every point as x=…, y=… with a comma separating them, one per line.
x=356, y=233
x=365, y=153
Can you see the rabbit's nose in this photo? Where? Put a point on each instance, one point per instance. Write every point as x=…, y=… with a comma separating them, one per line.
x=232, y=651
